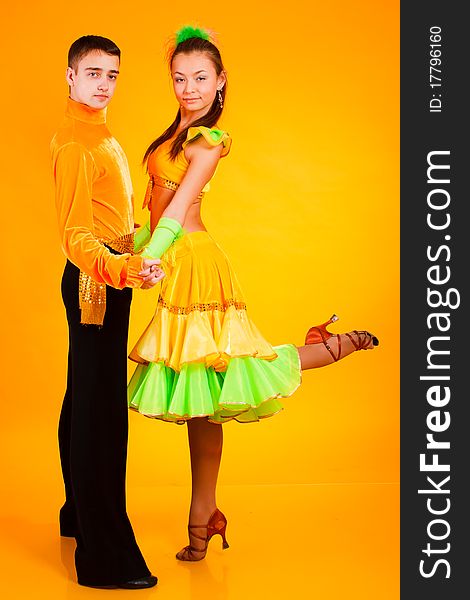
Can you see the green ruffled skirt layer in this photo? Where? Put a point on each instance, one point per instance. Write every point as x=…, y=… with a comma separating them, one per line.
x=247, y=391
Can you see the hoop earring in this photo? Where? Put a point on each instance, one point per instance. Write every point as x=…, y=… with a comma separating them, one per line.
x=221, y=100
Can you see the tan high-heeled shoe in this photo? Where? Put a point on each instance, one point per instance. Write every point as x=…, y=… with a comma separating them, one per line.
x=320, y=334
x=217, y=524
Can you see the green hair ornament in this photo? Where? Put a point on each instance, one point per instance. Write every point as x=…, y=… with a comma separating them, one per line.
x=188, y=31
x=185, y=33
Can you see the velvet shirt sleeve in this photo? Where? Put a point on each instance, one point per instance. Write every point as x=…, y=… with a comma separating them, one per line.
x=74, y=171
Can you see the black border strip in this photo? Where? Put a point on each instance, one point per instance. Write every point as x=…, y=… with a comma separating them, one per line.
x=430, y=255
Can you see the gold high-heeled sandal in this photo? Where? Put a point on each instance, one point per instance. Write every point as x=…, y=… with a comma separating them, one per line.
x=217, y=524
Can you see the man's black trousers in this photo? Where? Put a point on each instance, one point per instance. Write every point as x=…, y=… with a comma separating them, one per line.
x=93, y=432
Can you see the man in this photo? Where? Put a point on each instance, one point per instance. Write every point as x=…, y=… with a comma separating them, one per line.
x=95, y=214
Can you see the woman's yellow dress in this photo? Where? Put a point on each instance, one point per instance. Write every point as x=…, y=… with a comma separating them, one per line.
x=201, y=355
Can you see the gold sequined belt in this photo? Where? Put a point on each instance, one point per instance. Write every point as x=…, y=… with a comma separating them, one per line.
x=91, y=294
x=155, y=180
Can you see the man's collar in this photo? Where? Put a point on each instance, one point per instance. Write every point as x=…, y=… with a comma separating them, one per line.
x=83, y=112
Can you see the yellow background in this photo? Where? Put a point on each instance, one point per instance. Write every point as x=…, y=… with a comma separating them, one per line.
x=306, y=206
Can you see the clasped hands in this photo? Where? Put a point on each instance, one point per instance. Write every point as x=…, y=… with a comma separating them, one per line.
x=151, y=273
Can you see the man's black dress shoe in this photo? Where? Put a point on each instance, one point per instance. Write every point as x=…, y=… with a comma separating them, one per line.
x=137, y=584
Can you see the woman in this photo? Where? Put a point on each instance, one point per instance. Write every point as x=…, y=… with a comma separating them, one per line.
x=202, y=361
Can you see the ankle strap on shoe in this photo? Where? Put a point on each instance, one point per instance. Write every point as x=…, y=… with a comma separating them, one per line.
x=363, y=339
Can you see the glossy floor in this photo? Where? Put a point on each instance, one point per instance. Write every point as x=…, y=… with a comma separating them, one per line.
x=318, y=541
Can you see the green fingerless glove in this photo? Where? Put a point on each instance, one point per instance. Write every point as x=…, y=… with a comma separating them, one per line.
x=142, y=236
x=166, y=232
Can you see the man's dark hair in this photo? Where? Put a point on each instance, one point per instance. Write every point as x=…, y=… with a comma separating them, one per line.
x=90, y=43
